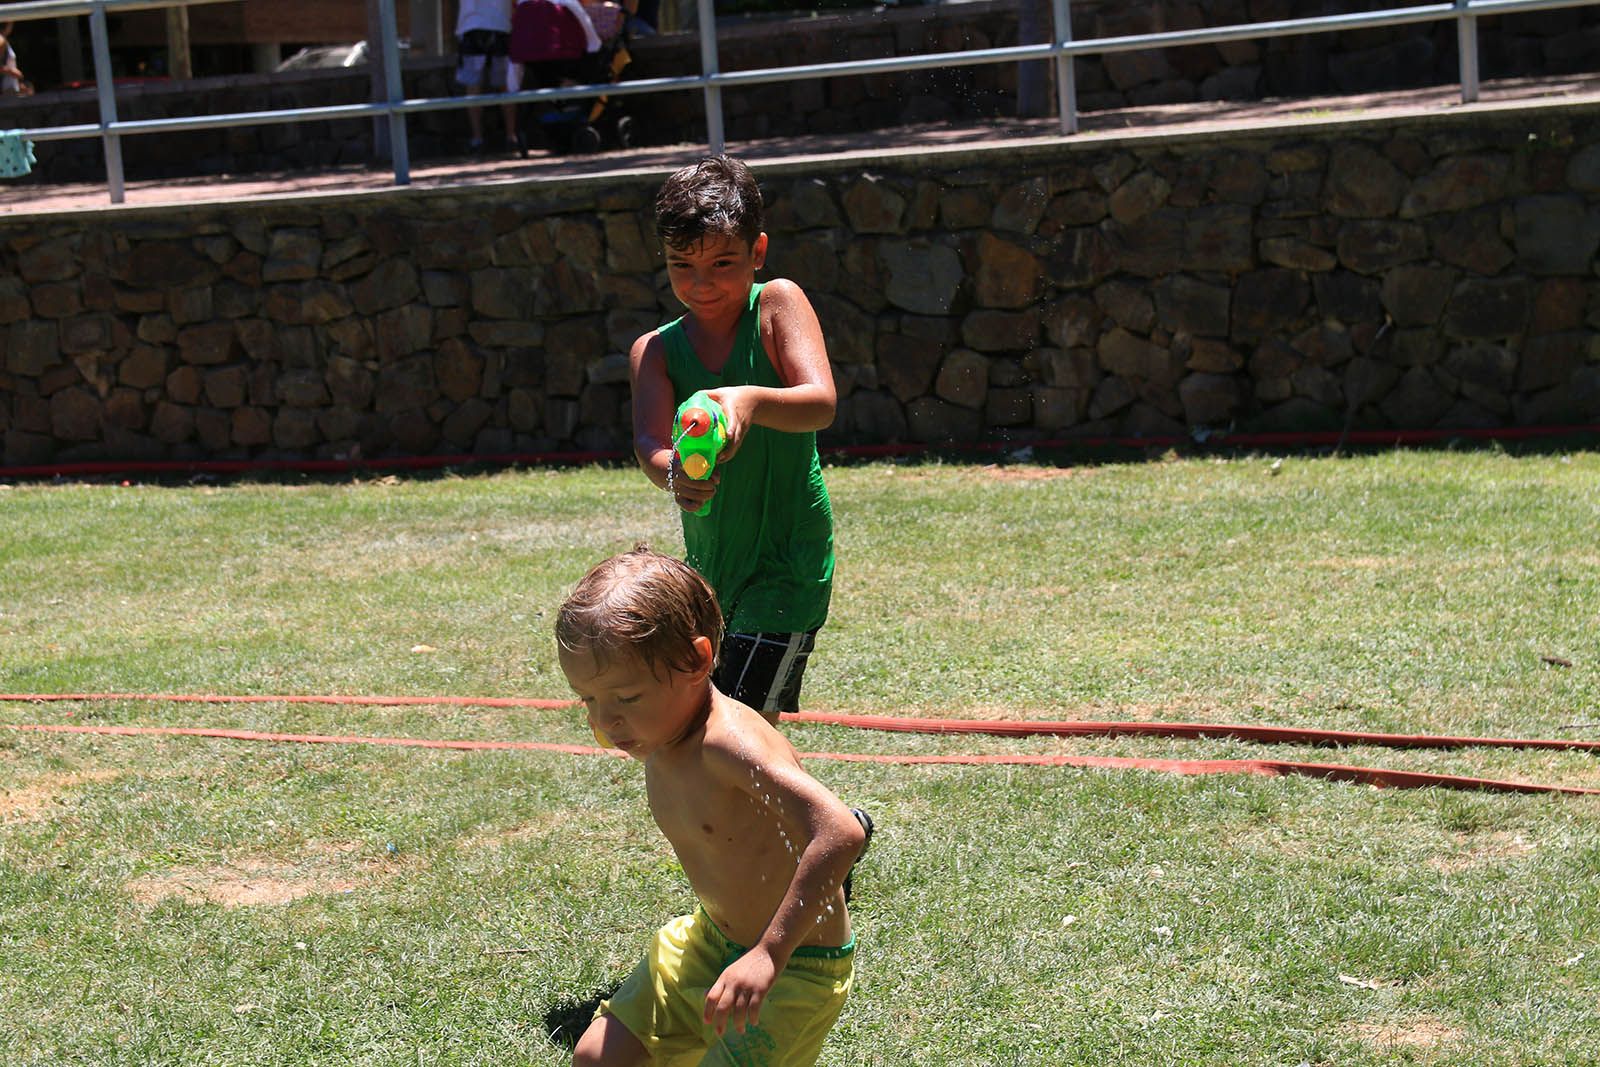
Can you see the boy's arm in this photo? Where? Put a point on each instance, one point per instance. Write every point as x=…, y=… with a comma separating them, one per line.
x=835, y=840
x=807, y=399
x=653, y=410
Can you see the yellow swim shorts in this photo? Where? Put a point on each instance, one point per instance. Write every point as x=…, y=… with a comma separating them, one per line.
x=662, y=1003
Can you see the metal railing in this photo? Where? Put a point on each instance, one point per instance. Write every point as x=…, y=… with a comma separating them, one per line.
x=1062, y=49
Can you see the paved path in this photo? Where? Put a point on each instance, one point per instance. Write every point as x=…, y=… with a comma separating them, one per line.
x=25, y=197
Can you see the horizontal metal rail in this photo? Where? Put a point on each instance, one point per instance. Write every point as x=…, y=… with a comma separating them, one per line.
x=712, y=82
x=56, y=9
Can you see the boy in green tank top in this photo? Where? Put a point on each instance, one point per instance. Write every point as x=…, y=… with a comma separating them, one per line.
x=766, y=543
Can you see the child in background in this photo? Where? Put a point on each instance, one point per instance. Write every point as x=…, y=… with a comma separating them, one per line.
x=483, y=39
x=760, y=971
x=766, y=545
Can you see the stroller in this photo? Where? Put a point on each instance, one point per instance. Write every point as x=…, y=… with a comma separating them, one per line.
x=574, y=42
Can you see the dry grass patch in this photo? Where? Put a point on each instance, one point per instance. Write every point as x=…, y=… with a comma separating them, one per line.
x=39, y=797
x=1419, y=1032
x=244, y=881
x=1476, y=850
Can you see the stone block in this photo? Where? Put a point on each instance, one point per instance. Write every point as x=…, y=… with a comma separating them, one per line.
x=570, y=346
x=1142, y=193
x=1488, y=309
x=75, y=415
x=86, y=333
x=1268, y=302
x=1127, y=304
x=227, y=387
x=301, y=388
x=293, y=254
x=1021, y=206
x=1361, y=184
x=932, y=421
x=1371, y=247
x=1187, y=305
x=874, y=206
x=906, y=365
x=1212, y=357
x=53, y=260
x=403, y=331
x=1556, y=235
x=1551, y=360
x=1558, y=305
x=1008, y=276
x=350, y=384
x=1416, y=295
x=996, y=331
x=1217, y=238
x=963, y=379
x=172, y=423
x=1211, y=399
x=209, y=344
x=392, y=283
x=1011, y=406
x=921, y=276
x=1072, y=322
x=125, y=409
x=1457, y=183
x=849, y=332
x=404, y=385
x=56, y=300
x=460, y=428
x=1296, y=254
x=295, y=430
x=1079, y=207
x=459, y=371
x=875, y=416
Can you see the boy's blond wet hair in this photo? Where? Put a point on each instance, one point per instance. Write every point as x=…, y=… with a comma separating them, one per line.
x=641, y=603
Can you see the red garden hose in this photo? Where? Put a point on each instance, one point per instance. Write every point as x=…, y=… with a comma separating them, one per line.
x=1004, y=728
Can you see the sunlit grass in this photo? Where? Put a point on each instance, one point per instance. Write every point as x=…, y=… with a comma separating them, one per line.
x=187, y=900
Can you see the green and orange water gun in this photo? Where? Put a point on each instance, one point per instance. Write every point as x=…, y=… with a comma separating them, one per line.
x=699, y=434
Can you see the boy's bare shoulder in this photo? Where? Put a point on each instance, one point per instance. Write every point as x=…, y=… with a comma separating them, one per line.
x=779, y=293
x=737, y=741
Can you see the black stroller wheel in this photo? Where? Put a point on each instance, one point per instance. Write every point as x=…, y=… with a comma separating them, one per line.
x=625, y=131
x=586, y=139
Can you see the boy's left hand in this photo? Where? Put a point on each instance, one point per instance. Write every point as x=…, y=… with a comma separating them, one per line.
x=737, y=995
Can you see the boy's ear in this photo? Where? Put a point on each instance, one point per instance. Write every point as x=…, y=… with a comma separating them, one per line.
x=758, y=251
x=705, y=655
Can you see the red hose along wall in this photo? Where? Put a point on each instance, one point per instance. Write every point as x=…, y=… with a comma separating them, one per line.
x=1316, y=439
x=1375, y=776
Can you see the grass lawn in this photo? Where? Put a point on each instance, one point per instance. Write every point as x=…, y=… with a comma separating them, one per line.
x=173, y=900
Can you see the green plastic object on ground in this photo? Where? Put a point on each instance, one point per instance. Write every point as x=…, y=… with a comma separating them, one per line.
x=701, y=429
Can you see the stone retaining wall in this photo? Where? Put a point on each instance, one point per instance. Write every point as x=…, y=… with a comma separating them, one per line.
x=1418, y=273
x=1555, y=42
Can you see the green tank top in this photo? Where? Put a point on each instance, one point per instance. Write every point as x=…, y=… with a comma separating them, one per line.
x=766, y=546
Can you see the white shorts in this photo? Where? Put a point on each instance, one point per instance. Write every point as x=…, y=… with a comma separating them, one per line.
x=480, y=73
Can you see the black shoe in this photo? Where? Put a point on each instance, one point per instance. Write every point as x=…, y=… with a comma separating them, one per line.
x=866, y=824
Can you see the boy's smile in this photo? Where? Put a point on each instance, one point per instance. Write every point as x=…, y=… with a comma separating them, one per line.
x=712, y=277
x=640, y=710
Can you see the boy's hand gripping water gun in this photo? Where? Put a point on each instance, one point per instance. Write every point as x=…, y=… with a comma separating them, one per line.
x=700, y=431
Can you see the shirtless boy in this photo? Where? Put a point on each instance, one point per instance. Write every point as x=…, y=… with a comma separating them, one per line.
x=759, y=973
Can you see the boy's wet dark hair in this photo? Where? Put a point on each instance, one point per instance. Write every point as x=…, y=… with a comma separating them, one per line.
x=640, y=603
x=716, y=197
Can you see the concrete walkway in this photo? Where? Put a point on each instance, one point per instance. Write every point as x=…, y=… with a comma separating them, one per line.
x=24, y=197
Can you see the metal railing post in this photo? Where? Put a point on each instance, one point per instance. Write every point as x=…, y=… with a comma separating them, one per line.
x=395, y=90
x=1066, y=76
x=1467, y=46
x=106, y=90
x=708, y=67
